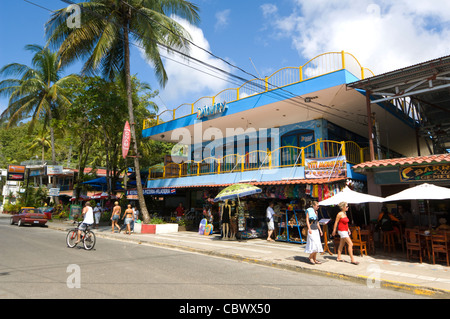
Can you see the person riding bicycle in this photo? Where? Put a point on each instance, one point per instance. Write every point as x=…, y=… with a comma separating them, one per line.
x=88, y=220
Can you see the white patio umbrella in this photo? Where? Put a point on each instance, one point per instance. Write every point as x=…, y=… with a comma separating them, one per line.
x=351, y=197
x=422, y=192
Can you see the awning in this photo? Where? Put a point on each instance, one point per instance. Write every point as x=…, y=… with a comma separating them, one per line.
x=403, y=161
x=318, y=181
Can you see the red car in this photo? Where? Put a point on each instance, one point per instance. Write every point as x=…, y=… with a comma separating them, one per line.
x=29, y=215
x=48, y=211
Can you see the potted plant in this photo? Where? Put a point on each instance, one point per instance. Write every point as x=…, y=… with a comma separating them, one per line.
x=158, y=226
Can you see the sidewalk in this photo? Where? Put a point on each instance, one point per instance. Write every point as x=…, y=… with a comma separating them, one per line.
x=379, y=270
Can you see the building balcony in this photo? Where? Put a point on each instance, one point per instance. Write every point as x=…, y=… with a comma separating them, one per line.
x=283, y=157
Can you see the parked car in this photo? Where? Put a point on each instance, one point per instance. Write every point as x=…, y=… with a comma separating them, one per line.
x=29, y=215
x=48, y=211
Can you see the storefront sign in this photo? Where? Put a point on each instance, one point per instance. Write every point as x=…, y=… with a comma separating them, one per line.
x=53, y=192
x=425, y=173
x=16, y=173
x=75, y=211
x=126, y=138
x=331, y=167
x=54, y=170
x=154, y=191
x=211, y=110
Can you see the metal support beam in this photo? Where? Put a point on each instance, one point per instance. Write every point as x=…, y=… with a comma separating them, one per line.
x=369, y=124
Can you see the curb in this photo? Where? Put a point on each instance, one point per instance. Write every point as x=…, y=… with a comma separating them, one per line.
x=393, y=285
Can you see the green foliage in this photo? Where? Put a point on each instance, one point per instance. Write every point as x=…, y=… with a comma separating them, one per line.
x=154, y=219
x=33, y=197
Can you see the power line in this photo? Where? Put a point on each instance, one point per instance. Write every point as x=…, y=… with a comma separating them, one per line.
x=207, y=65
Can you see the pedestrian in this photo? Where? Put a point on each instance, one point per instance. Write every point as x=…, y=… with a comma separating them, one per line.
x=136, y=217
x=97, y=214
x=179, y=211
x=115, y=217
x=270, y=213
x=341, y=224
x=128, y=215
x=313, y=242
x=88, y=220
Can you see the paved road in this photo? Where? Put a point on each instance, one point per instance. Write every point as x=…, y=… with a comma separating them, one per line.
x=35, y=263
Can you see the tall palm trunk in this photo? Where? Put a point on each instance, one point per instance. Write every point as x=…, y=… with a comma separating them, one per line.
x=52, y=140
x=142, y=205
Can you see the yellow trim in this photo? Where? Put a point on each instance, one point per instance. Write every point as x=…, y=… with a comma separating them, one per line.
x=296, y=72
x=353, y=153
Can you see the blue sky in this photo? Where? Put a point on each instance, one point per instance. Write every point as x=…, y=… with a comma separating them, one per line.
x=383, y=35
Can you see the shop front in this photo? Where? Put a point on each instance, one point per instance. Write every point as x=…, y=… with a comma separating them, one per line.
x=390, y=176
x=246, y=215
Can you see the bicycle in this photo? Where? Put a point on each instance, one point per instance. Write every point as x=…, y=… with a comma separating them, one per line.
x=87, y=237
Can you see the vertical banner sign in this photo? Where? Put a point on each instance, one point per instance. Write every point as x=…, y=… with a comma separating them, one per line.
x=126, y=138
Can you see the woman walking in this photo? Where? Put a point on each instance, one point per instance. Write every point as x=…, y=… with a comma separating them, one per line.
x=129, y=217
x=341, y=224
x=313, y=242
x=115, y=217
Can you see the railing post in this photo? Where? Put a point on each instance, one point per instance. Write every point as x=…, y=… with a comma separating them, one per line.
x=157, y=120
x=266, y=80
x=343, y=149
x=192, y=108
x=343, y=59
x=301, y=73
x=218, y=166
x=198, y=169
x=242, y=163
x=362, y=73
x=303, y=156
x=164, y=171
x=237, y=94
x=269, y=155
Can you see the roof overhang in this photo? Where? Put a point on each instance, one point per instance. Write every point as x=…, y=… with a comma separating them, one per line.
x=403, y=161
x=421, y=91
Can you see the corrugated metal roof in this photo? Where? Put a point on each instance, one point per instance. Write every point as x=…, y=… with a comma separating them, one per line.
x=405, y=75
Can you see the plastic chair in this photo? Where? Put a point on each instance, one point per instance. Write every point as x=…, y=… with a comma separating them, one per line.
x=412, y=239
x=439, y=244
x=357, y=241
x=389, y=240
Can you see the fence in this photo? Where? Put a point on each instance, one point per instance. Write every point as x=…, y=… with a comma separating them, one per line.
x=320, y=65
x=285, y=156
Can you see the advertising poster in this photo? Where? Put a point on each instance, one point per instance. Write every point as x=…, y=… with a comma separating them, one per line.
x=331, y=167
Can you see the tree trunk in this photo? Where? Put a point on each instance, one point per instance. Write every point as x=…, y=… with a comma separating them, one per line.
x=143, y=207
x=52, y=139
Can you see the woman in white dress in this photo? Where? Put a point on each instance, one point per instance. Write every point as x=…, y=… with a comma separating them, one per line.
x=313, y=242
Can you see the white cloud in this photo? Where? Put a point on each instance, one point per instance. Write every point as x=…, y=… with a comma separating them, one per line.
x=383, y=35
x=186, y=83
x=222, y=19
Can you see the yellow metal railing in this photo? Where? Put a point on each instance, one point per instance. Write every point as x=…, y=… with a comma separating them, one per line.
x=285, y=156
x=318, y=66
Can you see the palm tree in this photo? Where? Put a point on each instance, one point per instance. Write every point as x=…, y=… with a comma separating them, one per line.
x=103, y=39
x=42, y=141
x=36, y=91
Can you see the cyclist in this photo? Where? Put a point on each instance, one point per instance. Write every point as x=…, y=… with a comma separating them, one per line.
x=88, y=220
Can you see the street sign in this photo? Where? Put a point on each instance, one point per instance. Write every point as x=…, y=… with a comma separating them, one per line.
x=126, y=138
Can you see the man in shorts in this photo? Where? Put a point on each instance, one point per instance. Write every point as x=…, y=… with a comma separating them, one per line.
x=88, y=220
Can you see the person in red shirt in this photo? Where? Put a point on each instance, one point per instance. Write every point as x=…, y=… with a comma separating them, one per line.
x=341, y=223
x=180, y=210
